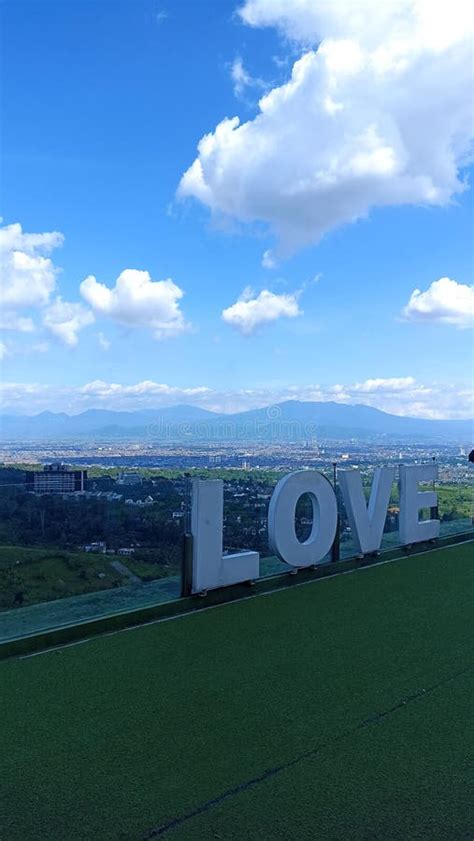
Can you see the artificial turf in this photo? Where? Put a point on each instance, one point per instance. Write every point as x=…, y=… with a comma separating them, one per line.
x=339, y=709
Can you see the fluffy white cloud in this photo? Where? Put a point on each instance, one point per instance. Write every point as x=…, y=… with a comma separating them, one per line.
x=146, y=390
x=12, y=321
x=402, y=23
x=382, y=385
x=27, y=276
x=28, y=279
x=138, y=301
x=251, y=311
x=409, y=397
x=398, y=395
x=376, y=112
x=387, y=393
x=445, y=301
x=64, y=320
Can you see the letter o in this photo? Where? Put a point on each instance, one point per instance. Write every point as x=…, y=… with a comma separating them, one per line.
x=281, y=518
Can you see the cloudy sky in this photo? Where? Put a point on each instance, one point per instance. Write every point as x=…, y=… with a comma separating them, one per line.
x=231, y=205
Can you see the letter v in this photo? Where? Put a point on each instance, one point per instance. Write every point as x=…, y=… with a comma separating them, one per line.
x=367, y=522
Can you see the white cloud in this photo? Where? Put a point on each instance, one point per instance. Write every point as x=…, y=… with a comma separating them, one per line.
x=445, y=302
x=145, y=389
x=64, y=320
x=13, y=321
x=242, y=78
x=409, y=397
x=399, y=395
x=27, y=277
x=103, y=341
x=28, y=280
x=3, y=350
x=376, y=113
x=35, y=397
x=268, y=260
x=382, y=385
x=138, y=301
x=403, y=23
x=239, y=75
x=251, y=311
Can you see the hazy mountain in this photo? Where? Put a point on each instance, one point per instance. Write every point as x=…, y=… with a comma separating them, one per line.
x=328, y=416
x=94, y=422
x=289, y=421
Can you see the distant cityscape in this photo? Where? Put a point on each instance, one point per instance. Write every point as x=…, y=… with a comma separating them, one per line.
x=452, y=459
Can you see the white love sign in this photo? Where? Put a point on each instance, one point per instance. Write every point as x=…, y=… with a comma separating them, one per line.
x=212, y=568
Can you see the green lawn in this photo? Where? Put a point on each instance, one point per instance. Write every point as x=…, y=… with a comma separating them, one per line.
x=336, y=710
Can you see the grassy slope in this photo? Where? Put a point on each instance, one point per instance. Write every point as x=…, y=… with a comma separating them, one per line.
x=47, y=574
x=459, y=497
x=43, y=574
x=109, y=739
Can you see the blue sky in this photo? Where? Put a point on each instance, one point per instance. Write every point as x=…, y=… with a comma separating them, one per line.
x=104, y=106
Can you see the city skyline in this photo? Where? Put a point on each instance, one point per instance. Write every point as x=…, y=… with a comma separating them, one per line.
x=319, y=250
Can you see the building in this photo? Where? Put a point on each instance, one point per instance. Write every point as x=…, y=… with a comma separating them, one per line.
x=98, y=546
x=56, y=478
x=129, y=477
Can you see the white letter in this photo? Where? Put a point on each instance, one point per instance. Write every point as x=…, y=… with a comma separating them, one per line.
x=281, y=518
x=367, y=525
x=411, y=500
x=210, y=567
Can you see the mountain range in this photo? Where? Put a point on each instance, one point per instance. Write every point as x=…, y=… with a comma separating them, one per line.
x=289, y=421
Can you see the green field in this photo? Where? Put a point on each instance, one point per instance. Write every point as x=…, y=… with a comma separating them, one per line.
x=341, y=709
